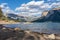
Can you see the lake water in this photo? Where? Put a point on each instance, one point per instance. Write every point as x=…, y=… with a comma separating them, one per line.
x=45, y=27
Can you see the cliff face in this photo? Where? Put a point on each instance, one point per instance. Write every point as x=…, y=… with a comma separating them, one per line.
x=52, y=15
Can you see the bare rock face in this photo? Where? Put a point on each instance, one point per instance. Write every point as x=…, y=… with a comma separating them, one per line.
x=52, y=15
x=45, y=13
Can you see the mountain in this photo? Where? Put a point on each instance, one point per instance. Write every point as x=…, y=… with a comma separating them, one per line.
x=52, y=15
x=12, y=16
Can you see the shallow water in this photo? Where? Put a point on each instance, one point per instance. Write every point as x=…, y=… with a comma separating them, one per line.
x=45, y=27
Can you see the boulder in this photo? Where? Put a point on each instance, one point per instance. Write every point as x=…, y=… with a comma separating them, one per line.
x=51, y=36
x=17, y=29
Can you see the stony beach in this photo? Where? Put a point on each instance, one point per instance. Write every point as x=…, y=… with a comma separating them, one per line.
x=7, y=33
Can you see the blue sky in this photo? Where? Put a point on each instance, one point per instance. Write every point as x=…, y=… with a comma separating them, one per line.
x=28, y=7
x=15, y=3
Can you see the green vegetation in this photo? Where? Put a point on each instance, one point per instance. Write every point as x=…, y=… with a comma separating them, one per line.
x=2, y=17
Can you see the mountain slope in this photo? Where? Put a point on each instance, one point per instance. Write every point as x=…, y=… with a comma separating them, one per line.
x=52, y=15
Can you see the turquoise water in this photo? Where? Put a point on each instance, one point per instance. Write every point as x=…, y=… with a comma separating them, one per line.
x=45, y=27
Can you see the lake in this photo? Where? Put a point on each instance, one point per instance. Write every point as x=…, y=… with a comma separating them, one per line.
x=45, y=27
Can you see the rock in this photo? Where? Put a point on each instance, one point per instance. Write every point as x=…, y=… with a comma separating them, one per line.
x=3, y=28
x=52, y=36
x=11, y=29
x=27, y=31
x=30, y=37
x=58, y=37
x=17, y=29
x=45, y=35
x=12, y=38
x=18, y=34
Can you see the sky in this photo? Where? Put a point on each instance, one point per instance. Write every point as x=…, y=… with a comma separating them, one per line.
x=14, y=3
x=28, y=7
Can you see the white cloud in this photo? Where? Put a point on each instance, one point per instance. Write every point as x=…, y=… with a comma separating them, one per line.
x=35, y=3
x=53, y=0
x=58, y=0
x=5, y=8
x=55, y=5
x=35, y=7
x=31, y=8
x=3, y=5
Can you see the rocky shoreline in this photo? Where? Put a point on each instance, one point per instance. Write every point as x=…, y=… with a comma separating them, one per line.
x=19, y=34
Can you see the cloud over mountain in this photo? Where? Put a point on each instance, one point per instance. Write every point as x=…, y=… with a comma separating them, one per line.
x=36, y=7
x=31, y=8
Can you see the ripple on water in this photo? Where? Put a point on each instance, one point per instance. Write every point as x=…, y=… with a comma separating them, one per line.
x=39, y=27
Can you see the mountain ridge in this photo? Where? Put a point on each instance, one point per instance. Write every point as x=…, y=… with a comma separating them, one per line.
x=52, y=15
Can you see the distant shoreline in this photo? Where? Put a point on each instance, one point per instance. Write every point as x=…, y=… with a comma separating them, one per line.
x=9, y=22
